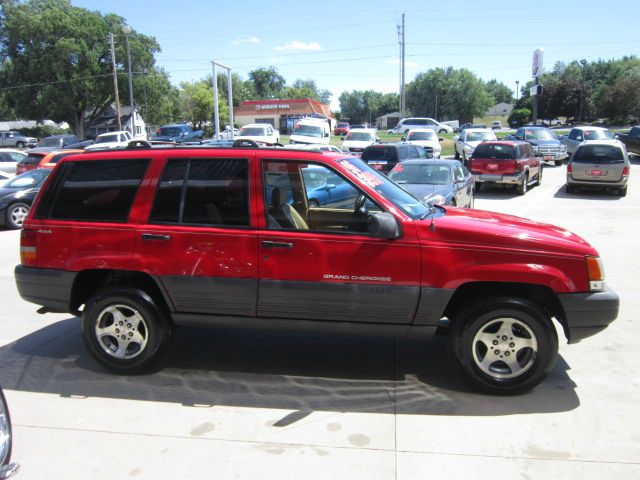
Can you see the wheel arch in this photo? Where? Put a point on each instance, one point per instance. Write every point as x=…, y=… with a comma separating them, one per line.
x=473, y=292
x=87, y=282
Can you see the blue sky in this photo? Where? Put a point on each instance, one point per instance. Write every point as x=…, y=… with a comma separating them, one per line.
x=354, y=45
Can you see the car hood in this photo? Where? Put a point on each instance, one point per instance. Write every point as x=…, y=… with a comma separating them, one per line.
x=425, y=143
x=479, y=228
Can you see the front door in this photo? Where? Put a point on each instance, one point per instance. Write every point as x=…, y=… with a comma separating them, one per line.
x=317, y=260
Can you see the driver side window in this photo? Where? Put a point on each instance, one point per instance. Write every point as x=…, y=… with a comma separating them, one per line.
x=310, y=196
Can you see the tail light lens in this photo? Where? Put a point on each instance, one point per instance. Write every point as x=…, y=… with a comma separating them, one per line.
x=625, y=172
x=28, y=240
x=595, y=272
x=569, y=169
x=517, y=167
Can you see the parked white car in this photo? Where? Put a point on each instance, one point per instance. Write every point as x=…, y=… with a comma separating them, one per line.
x=323, y=147
x=468, y=140
x=259, y=132
x=357, y=140
x=106, y=141
x=9, y=158
x=577, y=135
x=407, y=124
x=426, y=138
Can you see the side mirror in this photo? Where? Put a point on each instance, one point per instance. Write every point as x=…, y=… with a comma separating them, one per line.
x=384, y=225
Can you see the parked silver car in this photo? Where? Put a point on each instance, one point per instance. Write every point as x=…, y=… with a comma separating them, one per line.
x=15, y=139
x=577, y=135
x=601, y=164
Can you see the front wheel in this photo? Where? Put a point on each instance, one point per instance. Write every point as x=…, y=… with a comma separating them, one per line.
x=125, y=330
x=503, y=346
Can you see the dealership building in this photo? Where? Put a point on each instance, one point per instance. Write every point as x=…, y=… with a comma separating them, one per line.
x=281, y=114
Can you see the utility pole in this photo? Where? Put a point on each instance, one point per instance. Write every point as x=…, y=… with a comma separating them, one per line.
x=403, y=99
x=127, y=30
x=115, y=79
x=583, y=62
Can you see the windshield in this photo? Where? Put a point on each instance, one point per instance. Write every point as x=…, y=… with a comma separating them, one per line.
x=395, y=194
x=308, y=130
x=360, y=136
x=539, y=135
x=597, y=135
x=429, y=174
x=106, y=138
x=602, y=154
x=169, y=131
x=480, y=136
x=430, y=135
x=253, y=131
x=50, y=142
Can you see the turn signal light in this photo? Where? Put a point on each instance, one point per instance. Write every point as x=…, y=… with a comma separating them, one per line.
x=595, y=272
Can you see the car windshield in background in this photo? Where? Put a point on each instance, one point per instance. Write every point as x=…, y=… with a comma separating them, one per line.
x=107, y=138
x=308, y=131
x=169, y=131
x=395, y=194
x=253, y=132
x=603, y=154
x=539, y=135
x=360, y=136
x=430, y=174
x=479, y=136
x=597, y=135
x=421, y=136
x=49, y=142
x=314, y=176
x=498, y=152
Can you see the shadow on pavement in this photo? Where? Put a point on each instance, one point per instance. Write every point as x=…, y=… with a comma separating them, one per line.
x=589, y=193
x=267, y=370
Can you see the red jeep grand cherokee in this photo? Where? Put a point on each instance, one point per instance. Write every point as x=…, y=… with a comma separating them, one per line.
x=140, y=240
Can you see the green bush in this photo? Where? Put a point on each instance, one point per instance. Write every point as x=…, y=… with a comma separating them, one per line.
x=42, y=131
x=519, y=117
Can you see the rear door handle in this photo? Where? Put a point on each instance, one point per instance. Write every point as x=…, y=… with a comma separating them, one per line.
x=269, y=244
x=154, y=236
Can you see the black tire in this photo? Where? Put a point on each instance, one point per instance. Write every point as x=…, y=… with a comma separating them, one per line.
x=472, y=199
x=478, y=187
x=622, y=191
x=522, y=340
x=16, y=214
x=522, y=188
x=442, y=130
x=19, y=144
x=539, y=177
x=115, y=311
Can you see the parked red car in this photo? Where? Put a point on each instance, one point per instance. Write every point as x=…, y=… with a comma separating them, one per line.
x=139, y=240
x=506, y=162
x=342, y=128
x=43, y=158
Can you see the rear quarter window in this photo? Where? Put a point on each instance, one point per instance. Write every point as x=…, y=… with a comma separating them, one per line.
x=93, y=191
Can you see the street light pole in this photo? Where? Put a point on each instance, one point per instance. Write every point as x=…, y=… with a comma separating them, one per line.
x=583, y=62
x=517, y=90
x=126, y=29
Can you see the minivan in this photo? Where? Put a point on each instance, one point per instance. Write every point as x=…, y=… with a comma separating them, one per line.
x=599, y=163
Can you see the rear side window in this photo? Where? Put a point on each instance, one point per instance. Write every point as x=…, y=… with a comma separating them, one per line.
x=203, y=191
x=95, y=191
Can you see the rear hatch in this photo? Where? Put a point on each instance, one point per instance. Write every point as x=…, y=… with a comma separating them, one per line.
x=597, y=163
x=381, y=157
x=29, y=163
x=494, y=159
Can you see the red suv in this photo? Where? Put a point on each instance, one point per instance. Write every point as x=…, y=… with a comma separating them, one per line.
x=139, y=240
x=505, y=162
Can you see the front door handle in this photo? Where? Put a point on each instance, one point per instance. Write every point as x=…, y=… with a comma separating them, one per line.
x=154, y=236
x=269, y=244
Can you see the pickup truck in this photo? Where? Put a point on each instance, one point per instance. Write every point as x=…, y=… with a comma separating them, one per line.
x=15, y=139
x=545, y=143
x=631, y=140
x=177, y=132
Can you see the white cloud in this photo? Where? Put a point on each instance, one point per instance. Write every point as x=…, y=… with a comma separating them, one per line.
x=396, y=61
x=253, y=40
x=295, y=45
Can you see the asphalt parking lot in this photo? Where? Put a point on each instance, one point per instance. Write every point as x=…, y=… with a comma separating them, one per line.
x=282, y=406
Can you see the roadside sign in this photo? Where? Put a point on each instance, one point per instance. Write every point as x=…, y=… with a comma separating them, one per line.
x=536, y=66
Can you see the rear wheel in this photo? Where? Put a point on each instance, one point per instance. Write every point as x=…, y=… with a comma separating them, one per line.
x=539, y=179
x=503, y=346
x=622, y=191
x=522, y=188
x=125, y=330
x=19, y=144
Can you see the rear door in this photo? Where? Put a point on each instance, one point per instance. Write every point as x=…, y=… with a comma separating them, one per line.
x=198, y=240
x=319, y=263
x=598, y=163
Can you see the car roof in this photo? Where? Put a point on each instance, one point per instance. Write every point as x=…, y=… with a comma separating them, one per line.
x=422, y=130
x=612, y=142
x=587, y=127
x=428, y=161
x=476, y=129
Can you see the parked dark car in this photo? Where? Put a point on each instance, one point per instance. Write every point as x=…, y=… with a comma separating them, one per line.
x=544, y=141
x=631, y=140
x=342, y=128
x=17, y=195
x=66, y=140
x=443, y=182
x=385, y=156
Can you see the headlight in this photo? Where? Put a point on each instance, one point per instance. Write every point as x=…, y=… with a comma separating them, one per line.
x=434, y=200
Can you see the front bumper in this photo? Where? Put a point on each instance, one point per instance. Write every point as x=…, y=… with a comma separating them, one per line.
x=588, y=313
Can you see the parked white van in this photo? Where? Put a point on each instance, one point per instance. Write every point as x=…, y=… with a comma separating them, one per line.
x=311, y=130
x=407, y=124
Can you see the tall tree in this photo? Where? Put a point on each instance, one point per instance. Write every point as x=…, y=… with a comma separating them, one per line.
x=267, y=83
x=499, y=91
x=59, y=62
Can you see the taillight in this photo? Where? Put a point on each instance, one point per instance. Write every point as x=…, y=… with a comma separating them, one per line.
x=28, y=239
x=569, y=169
x=517, y=166
x=625, y=172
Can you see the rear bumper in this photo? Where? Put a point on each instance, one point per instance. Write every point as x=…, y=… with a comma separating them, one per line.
x=598, y=183
x=496, y=178
x=588, y=313
x=47, y=287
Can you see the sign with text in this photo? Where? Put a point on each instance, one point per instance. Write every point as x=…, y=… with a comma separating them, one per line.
x=536, y=66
